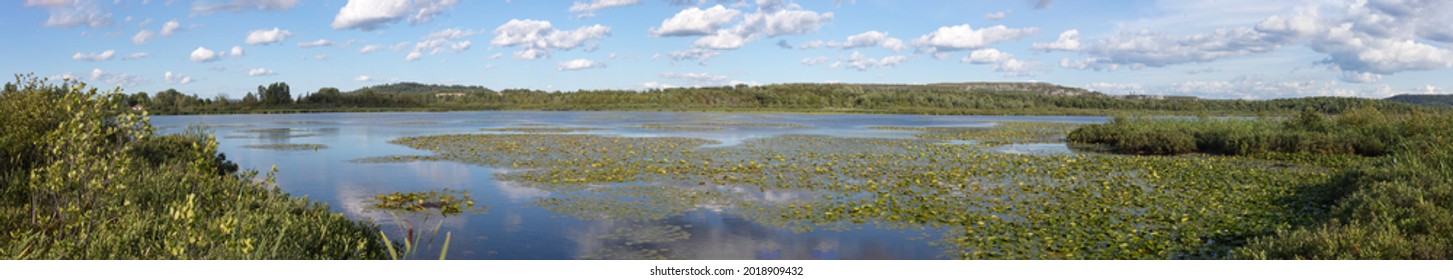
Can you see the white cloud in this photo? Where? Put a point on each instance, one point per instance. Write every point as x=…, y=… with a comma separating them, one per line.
x=694, y=21
x=985, y=56
x=318, y=43
x=997, y=15
x=142, y=37
x=174, y=78
x=723, y=40
x=579, y=64
x=362, y=78
x=236, y=51
x=138, y=55
x=1003, y=62
x=815, y=60
x=698, y=78
x=202, y=54
x=116, y=79
x=1068, y=41
x=699, y=55
x=964, y=37
x=788, y=21
x=261, y=72
x=538, y=37
x=374, y=14
x=101, y=56
x=442, y=40
x=414, y=55
x=654, y=84
x=207, y=7
x=170, y=27
x=75, y=13
x=264, y=36
x=370, y=48
x=861, y=40
x=167, y=29
x=587, y=9
x=863, y=63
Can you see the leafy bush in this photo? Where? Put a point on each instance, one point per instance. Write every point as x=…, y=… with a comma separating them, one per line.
x=85, y=178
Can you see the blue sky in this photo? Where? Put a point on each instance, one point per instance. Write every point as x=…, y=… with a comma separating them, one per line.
x=1246, y=49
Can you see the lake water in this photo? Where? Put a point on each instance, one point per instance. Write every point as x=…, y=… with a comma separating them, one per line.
x=515, y=227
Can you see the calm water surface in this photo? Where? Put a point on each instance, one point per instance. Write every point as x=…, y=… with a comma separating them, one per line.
x=514, y=227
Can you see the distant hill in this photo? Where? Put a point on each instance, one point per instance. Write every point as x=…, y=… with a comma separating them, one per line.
x=418, y=88
x=1433, y=100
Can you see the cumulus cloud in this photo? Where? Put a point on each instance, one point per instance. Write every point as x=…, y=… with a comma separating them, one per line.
x=207, y=7
x=374, y=14
x=588, y=9
x=579, y=64
x=264, y=36
x=170, y=27
x=442, y=40
x=861, y=40
x=362, y=78
x=260, y=72
x=1003, y=62
x=694, y=21
x=137, y=55
x=771, y=19
x=101, y=56
x=167, y=29
x=538, y=38
x=175, y=78
x=1068, y=41
x=863, y=63
x=142, y=37
x=203, y=54
x=73, y=13
x=318, y=43
x=965, y=37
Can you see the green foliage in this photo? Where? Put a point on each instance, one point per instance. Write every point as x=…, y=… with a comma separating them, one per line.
x=1367, y=132
x=85, y=178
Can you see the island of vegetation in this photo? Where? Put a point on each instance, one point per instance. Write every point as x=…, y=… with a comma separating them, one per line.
x=85, y=177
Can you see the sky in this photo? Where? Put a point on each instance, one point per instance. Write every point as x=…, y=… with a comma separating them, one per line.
x=1239, y=49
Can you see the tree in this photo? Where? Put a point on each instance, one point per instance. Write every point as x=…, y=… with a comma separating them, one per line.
x=276, y=94
x=250, y=99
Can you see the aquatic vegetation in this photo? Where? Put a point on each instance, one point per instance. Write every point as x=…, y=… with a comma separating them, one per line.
x=394, y=159
x=540, y=129
x=1000, y=133
x=447, y=202
x=288, y=147
x=992, y=205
